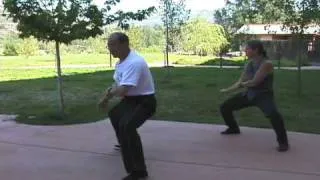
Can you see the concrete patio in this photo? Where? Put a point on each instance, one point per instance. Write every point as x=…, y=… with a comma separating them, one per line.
x=174, y=151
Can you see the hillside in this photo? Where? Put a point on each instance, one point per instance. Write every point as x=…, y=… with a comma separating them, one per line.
x=156, y=18
x=6, y=25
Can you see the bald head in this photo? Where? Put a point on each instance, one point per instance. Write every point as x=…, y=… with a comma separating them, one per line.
x=118, y=44
x=122, y=38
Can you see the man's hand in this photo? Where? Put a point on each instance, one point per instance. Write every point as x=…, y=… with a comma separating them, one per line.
x=243, y=84
x=234, y=87
x=223, y=90
x=103, y=104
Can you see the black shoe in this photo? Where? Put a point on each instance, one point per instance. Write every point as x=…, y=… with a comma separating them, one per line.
x=283, y=147
x=140, y=174
x=117, y=147
x=230, y=131
x=136, y=175
x=130, y=177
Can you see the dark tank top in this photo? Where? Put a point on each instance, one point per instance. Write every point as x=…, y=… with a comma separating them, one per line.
x=266, y=86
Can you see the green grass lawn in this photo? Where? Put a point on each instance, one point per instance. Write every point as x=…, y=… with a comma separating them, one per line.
x=184, y=94
x=234, y=61
x=83, y=59
x=104, y=59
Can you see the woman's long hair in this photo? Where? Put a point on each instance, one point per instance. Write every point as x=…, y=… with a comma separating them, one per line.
x=257, y=45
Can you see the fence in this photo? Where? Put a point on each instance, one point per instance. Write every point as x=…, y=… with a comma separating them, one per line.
x=291, y=49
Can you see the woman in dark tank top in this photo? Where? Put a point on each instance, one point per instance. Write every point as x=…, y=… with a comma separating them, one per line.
x=257, y=79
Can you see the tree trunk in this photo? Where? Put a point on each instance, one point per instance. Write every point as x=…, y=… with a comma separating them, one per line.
x=59, y=79
x=167, y=36
x=221, y=60
x=299, y=66
x=110, y=60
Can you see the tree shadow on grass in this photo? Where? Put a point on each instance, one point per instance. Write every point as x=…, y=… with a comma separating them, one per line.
x=35, y=101
x=224, y=62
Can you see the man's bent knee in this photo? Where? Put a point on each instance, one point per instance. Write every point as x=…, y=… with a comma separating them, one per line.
x=112, y=113
x=272, y=115
x=224, y=107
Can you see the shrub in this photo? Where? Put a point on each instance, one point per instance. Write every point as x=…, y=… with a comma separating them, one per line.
x=10, y=49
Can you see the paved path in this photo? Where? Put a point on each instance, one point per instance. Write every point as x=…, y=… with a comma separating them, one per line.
x=174, y=151
x=237, y=67
x=89, y=66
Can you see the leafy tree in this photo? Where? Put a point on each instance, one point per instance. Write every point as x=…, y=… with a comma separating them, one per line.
x=10, y=44
x=202, y=37
x=28, y=47
x=174, y=16
x=97, y=44
x=63, y=21
x=236, y=13
x=300, y=16
x=136, y=37
x=10, y=49
x=153, y=37
x=143, y=37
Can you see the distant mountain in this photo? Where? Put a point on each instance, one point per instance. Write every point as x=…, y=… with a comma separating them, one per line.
x=6, y=25
x=156, y=18
x=206, y=14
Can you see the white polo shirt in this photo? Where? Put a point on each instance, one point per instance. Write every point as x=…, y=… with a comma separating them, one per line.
x=134, y=71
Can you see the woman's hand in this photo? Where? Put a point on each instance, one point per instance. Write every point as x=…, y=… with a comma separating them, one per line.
x=223, y=90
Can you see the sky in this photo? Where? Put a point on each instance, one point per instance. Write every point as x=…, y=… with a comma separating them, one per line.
x=194, y=5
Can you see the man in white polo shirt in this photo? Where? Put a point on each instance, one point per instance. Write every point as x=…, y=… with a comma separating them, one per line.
x=134, y=83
